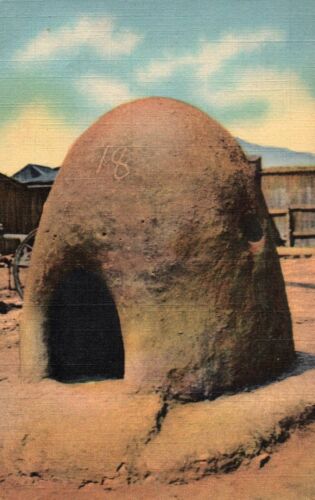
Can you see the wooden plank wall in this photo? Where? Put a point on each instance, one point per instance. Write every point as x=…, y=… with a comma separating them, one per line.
x=290, y=197
x=37, y=196
x=13, y=209
x=20, y=209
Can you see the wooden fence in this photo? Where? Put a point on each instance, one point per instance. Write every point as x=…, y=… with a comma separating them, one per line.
x=290, y=197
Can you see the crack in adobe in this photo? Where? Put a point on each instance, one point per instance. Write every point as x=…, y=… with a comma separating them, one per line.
x=159, y=419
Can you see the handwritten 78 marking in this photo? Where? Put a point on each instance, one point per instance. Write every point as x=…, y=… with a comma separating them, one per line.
x=121, y=168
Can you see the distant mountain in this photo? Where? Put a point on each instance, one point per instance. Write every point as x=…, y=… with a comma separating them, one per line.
x=277, y=157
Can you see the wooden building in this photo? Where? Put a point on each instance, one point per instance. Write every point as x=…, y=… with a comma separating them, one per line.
x=14, y=211
x=21, y=205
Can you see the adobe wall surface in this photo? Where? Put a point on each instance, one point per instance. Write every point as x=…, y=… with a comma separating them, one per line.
x=159, y=201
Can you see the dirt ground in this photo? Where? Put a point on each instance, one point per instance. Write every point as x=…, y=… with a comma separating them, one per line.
x=285, y=472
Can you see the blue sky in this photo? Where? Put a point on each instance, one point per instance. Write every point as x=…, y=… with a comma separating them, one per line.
x=248, y=63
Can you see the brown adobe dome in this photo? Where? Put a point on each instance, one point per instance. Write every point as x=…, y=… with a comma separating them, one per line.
x=153, y=261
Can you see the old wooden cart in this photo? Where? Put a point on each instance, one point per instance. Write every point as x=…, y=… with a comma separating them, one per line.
x=18, y=264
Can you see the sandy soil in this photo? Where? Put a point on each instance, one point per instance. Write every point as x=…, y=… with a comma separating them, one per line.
x=285, y=472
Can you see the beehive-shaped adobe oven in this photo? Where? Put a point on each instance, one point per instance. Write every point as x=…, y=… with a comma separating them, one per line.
x=153, y=261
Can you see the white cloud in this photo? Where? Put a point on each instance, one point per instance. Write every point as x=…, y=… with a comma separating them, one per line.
x=289, y=119
x=97, y=34
x=290, y=107
x=104, y=91
x=36, y=135
x=159, y=70
x=213, y=56
x=210, y=56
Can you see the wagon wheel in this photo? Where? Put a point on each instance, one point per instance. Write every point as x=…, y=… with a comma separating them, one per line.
x=22, y=260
